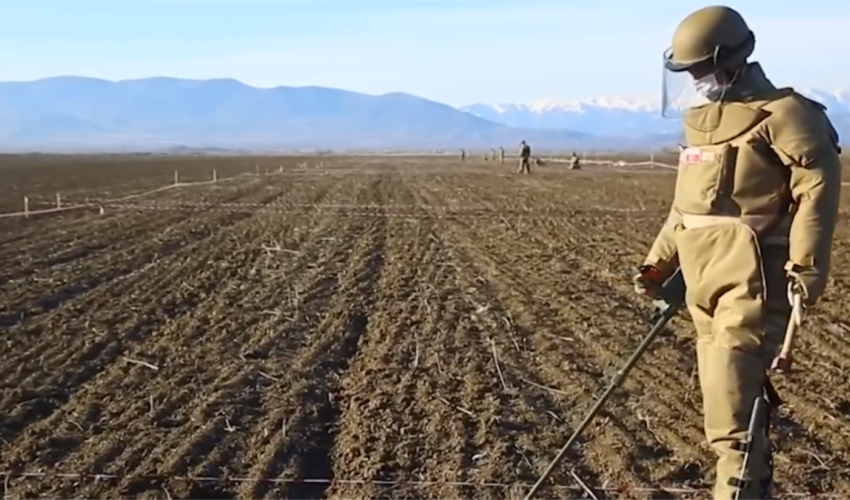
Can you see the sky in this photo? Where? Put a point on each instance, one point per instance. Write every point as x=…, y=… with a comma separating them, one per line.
x=456, y=52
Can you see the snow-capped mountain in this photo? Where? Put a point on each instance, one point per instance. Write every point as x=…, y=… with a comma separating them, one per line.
x=623, y=117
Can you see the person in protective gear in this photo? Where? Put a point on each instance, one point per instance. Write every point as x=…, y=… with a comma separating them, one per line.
x=524, y=158
x=575, y=163
x=754, y=210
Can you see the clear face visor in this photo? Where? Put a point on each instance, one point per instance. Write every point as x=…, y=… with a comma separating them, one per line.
x=680, y=91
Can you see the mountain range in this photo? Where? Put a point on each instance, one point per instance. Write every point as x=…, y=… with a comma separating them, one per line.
x=72, y=113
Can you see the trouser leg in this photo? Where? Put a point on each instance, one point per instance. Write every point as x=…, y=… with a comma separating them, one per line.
x=735, y=302
x=731, y=381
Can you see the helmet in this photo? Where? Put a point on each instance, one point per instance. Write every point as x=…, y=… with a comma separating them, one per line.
x=711, y=38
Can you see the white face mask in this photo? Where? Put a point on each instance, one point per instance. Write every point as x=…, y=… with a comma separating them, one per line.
x=709, y=88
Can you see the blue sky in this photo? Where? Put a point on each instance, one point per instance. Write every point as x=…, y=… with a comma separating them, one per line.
x=458, y=52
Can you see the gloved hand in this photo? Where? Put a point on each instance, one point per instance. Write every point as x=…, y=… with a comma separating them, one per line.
x=648, y=281
x=807, y=281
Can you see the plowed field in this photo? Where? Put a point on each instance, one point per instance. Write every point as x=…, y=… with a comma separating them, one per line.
x=391, y=327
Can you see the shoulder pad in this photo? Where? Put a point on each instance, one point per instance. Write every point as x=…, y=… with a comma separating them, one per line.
x=793, y=104
x=799, y=125
x=817, y=105
x=821, y=106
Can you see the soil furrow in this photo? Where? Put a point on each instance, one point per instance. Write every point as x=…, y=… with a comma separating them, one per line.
x=103, y=348
x=92, y=275
x=304, y=451
x=374, y=440
x=46, y=246
x=315, y=373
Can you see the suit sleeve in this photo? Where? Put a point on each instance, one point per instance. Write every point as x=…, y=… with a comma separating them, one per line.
x=807, y=143
x=663, y=253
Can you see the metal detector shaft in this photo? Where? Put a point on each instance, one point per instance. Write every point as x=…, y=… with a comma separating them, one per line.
x=673, y=296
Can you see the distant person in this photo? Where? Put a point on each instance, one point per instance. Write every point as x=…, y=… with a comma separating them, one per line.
x=462, y=155
x=751, y=224
x=575, y=163
x=524, y=157
x=501, y=154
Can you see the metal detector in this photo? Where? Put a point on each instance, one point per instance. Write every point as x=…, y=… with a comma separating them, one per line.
x=667, y=304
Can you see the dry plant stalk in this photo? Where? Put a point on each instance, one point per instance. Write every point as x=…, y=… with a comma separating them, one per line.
x=583, y=486
x=550, y=389
x=416, y=352
x=498, y=368
x=141, y=363
x=266, y=375
x=458, y=408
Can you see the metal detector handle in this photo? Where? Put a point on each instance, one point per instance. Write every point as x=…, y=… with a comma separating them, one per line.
x=672, y=295
x=783, y=362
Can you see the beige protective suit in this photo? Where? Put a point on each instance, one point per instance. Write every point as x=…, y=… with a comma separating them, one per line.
x=524, y=158
x=575, y=163
x=756, y=201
